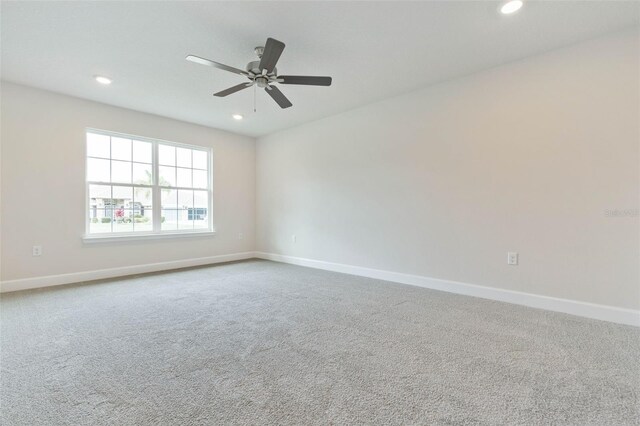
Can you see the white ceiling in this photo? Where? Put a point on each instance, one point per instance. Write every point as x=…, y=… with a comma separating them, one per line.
x=373, y=50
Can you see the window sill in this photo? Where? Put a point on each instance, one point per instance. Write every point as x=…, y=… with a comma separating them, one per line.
x=92, y=239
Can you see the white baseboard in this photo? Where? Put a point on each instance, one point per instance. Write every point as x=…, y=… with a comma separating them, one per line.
x=573, y=307
x=77, y=277
x=567, y=306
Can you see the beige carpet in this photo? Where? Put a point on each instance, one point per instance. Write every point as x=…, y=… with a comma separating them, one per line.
x=262, y=343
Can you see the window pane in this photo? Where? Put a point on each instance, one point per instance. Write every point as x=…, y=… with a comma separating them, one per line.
x=122, y=220
x=199, y=159
x=200, y=209
x=120, y=149
x=167, y=155
x=142, y=151
x=200, y=199
x=143, y=220
x=184, y=178
x=143, y=197
x=185, y=199
x=142, y=174
x=99, y=216
x=200, y=219
x=169, y=199
x=200, y=179
x=184, y=157
x=185, y=204
x=167, y=176
x=121, y=171
x=142, y=209
x=98, y=145
x=185, y=219
x=98, y=170
x=169, y=219
x=123, y=196
x=99, y=192
x=100, y=219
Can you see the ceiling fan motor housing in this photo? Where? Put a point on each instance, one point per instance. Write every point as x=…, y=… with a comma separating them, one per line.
x=254, y=67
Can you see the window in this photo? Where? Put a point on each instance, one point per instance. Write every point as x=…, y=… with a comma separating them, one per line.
x=138, y=186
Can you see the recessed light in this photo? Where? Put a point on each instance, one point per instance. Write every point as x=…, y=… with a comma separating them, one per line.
x=103, y=80
x=238, y=116
x=511, y=7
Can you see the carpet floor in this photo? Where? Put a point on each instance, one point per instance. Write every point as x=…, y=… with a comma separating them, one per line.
x=260, y=343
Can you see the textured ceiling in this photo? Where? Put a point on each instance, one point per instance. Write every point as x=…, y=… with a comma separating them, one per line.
x=372, y=50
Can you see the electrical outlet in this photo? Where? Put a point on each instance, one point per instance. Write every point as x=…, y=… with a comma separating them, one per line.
x=293, y=238
x=240, y=236
x=37, y=251
x=512, y=258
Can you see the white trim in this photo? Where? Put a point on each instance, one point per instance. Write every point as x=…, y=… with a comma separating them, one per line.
x=567, y=306
x=111, y=238
x=573, y=307
x=76, y=277
x=144, y=138
x=156, y=192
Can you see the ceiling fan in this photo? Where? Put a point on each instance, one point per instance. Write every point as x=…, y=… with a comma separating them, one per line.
x=264, y=74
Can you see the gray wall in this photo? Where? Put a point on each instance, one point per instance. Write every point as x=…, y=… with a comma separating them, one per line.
x=527, y=157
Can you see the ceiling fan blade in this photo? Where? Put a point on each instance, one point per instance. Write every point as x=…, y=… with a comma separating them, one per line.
x=304, y=79
x=278, y=96
x=272, y=51
x=231, y=90
x=203, y=61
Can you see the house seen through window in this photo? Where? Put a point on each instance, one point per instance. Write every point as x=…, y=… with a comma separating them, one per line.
x=142, y=186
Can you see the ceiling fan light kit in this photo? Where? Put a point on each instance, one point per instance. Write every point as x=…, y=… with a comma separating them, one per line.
x=264, y=74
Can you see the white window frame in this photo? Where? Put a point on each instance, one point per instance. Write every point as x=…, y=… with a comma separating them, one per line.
x=156, y=189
